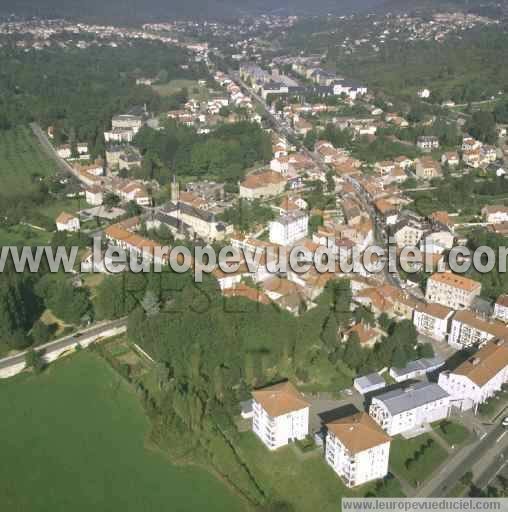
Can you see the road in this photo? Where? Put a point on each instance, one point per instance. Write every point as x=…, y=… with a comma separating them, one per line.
x=464, y=460
x=66, y=342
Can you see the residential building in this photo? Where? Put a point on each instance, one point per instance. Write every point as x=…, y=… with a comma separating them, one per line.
x=432, y=320
x=369, y=383
x=501, y=308
x=450, y=158
x=427, y=143
x=427, y=168
x=479, y=377
x=468, y=329
x=409, y=409
x=281, y=415
x=289, y=228
x=452, y=290
x=67, y=222
x=495, y=214
x=94, y=195
x=357, y=449
x=262, y=184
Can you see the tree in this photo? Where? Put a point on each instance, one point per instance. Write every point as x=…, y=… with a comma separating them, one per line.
x=111, y=200
x=34, y=359
x=132, y=209
x=41, y=332
x=425, y=350
x=482, y=126
x=353, y=352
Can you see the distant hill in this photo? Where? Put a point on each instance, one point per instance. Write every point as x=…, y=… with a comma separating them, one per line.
x=141, y=10
x=485, y=7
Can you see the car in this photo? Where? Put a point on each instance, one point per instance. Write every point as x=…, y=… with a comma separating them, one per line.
x=505, y=422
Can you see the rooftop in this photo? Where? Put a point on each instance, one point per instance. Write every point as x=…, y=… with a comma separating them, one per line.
x=280, y=399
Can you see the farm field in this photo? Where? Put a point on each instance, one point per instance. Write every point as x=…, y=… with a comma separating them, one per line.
x=21, y=161
x=195, y=90
x=81, y=430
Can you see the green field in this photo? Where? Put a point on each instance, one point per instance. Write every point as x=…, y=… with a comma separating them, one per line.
x=453, y=433
x=21, y=160
x=73, y=439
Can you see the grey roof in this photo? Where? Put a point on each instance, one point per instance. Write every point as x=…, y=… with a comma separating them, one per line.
x=425, y=364
x=401, y=400
x=370, y=380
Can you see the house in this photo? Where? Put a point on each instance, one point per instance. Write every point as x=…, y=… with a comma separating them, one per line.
x=67, y=222
x=417, y=369
x=408, y=232
x=261, y=184
x=452, y=290
x=119, y=135
x=367, y=336
x=94, y=195
x=501, y=308
x=427, y=143
x=127, y=122
x=472, y=157
x=432, y=320
x=281, y=415
x=357, y=449
x=289, y=228
x=64, y=151
x=495, y=214
x=369, y=383
x=133, y=191
x=409, y=409
x=468, y=329
x=423, y=93
x=386, y=211
x=479, y=377
x=427, y=168
x=450, y=158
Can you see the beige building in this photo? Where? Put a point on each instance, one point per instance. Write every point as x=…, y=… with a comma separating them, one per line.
x=468, y=330
x=427, y=168
x=452, y=290
x=432, y=320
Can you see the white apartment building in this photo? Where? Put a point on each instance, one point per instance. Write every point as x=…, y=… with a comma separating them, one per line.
x=281, y=415
x=427, y=142
x=289, y=228
x=467, y=330
x=357, y=449
x=119, y=135
x=451, y=290
x=402, y=410
x=127, y=121
x=501, y=308
x=478, y=378
x=432, y=320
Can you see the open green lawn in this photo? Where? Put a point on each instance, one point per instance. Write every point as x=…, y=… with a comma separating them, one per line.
x=453, y=433
x=21, y=161
x=304, y=480
x=73, y=439
x=23, y=235
x=421, y=466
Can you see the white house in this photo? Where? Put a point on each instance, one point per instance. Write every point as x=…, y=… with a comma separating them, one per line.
x=402, y=410
x=94, y=196
x=281, y=415
x=427, y=142
x=432, y=320
x=423, y=93
x=478, y=378
x=357, y=449
x=64, y=151
x=289, y=228
x=67, y=222
x=501, y=308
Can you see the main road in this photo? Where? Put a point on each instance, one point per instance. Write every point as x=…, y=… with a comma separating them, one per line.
x=59, y=346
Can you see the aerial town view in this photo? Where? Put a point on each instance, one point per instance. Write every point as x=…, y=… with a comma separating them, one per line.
x=253, y=255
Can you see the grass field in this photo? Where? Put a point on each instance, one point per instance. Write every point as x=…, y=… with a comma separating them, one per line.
x=422, y=465
x=453, y=433
x=23, y=235
x=21, y=160
x=74, y=439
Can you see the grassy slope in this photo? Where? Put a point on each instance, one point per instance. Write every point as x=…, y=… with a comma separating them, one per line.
x=73, y=439
x=20, y=158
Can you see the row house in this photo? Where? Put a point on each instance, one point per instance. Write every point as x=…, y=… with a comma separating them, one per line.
x=468, y=329
x=432, y=320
